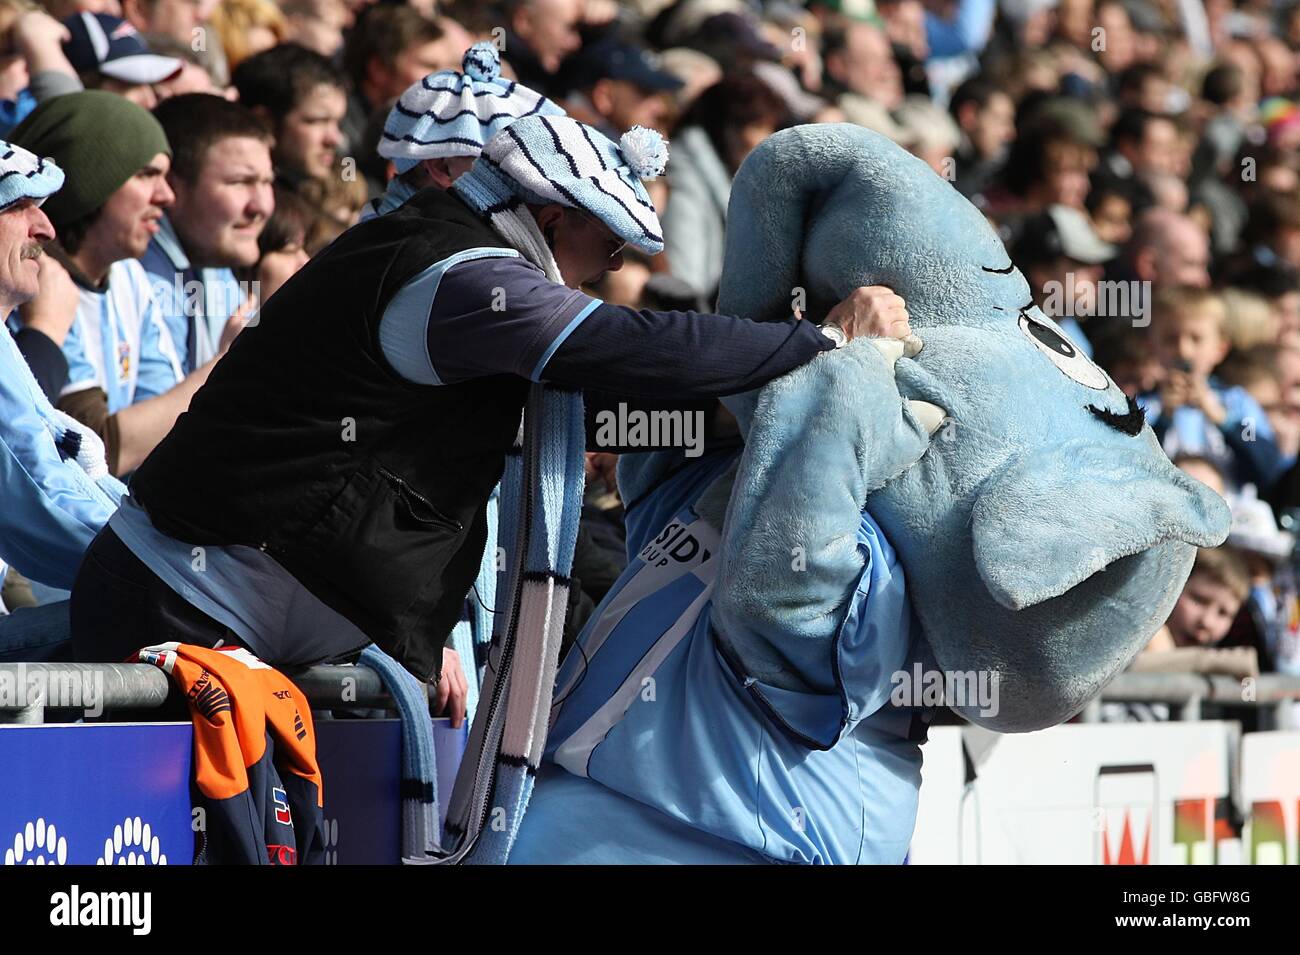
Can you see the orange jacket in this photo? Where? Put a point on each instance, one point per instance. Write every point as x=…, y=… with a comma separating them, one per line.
x=255, y=767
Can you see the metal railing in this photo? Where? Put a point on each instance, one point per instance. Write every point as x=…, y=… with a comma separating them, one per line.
x=1187, y=693
x=28, y=690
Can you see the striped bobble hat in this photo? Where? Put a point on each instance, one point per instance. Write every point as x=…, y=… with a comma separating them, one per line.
x=455, y=114
x=556, y=159
x=26, y=176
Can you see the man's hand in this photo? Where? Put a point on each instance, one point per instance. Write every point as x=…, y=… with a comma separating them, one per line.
x=1173, y=391
x=452, y=690
x=603, y=466
x=37, y=30
x=54, y=307
x=38, y=38
x=234, y=325
x=1182, y=388
x=1199, y=395
x=872, y=311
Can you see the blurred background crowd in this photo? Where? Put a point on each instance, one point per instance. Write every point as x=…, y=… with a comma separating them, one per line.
x=1139, y=157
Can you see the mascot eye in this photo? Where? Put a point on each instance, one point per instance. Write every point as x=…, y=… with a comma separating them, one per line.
x=1064, y=355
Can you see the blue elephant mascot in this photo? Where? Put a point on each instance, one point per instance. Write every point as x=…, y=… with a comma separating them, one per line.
x=983, y=503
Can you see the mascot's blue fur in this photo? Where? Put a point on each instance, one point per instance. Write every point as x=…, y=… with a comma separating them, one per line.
x=1042, y=540
x=1043, y=534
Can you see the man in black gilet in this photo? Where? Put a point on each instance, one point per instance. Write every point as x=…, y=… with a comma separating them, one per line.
x=327, y=486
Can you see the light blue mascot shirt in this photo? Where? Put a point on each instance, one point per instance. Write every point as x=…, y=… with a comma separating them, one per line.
x=750, y=771
x=52, y=507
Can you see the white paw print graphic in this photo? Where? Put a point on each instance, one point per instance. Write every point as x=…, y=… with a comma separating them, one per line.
x=330, y=830
x=133, y=843
x=37, y=844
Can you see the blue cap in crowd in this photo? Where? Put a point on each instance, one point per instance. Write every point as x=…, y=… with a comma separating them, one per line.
x=113, y=47
x=613, y=59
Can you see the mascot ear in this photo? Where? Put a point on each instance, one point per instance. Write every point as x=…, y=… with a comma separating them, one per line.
x=1039, y=529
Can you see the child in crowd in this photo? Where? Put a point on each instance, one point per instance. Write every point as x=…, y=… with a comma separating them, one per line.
x=1256, y=370
x=1189, y=640
x=1268, y=621
x=1111, y=203
x=1251, y=321
x=1191, y=411
x=338, y=201
x=1278, y=285
x=1284, y=494
x=1188, y=643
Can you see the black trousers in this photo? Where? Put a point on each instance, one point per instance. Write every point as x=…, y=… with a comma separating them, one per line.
x=119, y=605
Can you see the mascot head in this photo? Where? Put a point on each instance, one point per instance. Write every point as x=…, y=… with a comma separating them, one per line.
x=1045, y=535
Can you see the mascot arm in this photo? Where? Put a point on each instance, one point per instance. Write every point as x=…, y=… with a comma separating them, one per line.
x=822, y=438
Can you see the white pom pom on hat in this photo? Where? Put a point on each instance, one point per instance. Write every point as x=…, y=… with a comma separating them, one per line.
x=482, y=62
x=645, y=151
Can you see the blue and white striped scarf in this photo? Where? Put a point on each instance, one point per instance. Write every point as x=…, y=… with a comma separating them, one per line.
x=419, y=783
x=540, y=505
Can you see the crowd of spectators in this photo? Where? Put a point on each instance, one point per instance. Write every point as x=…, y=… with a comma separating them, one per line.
x=1139, y=157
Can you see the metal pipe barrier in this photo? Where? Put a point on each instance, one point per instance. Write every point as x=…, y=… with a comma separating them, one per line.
x=28, y=690
x=1187, y=693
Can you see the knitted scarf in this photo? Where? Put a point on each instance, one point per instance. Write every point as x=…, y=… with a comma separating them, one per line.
x=540, y=504
x=472, y=636
x=420, y=830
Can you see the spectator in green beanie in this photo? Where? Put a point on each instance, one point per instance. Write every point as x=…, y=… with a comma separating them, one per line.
x=125, y=378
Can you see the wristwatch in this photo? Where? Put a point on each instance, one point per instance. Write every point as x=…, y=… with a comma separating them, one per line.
x=835, y=334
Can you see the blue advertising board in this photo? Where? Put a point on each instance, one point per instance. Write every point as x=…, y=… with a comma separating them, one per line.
x=119, y=793
x=360, y=764
x=96, y=794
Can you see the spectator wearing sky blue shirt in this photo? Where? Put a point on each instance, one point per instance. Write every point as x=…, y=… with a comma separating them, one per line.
x=125, y=379
x=1191, y=412
x=960, y=28
x=221, y=176
x=53, y=479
